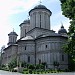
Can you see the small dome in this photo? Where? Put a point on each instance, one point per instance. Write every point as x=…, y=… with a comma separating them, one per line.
x=12, y=33
x=40, y=7
x=26, y=21
x=62, y=30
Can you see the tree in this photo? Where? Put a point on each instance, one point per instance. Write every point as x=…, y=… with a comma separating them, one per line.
x=68, y=9
x=2, y=50
x=12, y=64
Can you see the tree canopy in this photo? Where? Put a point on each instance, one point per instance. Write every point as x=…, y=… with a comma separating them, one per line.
x=68, y=10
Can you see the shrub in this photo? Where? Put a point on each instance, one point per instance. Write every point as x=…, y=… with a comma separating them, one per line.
x=31, y=67
x=23, y=64
x=41, y=66
x=37, y=66
x=30, y=71
x=25, y=69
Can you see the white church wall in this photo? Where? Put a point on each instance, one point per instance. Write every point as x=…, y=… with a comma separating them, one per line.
x=28, y=51
x=53, y=52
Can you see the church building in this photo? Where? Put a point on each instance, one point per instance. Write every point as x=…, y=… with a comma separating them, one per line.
x=37, y=43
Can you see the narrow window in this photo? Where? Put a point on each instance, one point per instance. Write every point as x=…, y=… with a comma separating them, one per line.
x=45, y=19
x=40, y=20
x=46, y=46
x=35, y=20
x=28, y=58
x=25, y=47
x=39, y=61
x=62, y=57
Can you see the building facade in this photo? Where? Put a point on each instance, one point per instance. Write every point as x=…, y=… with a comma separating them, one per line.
x=37, y=43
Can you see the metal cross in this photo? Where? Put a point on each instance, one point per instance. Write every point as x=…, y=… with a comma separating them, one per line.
x=40, y=1
x=13, y=29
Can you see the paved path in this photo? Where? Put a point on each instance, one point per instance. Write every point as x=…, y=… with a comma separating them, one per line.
x=9, y=73
x=15, y=73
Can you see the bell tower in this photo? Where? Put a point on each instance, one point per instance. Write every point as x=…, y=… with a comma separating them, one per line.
x=12, y=38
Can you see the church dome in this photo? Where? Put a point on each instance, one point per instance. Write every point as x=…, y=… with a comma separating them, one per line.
x=62, y=30
x=12, y=33
x=40, y=7
x=26, y=21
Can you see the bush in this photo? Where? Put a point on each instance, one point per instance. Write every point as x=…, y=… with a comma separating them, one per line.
x=23, y=64
x=39, y=66
x=30, y=71
x=26, y=73
x=34, y=72
x=25, y=69
x=31, y=67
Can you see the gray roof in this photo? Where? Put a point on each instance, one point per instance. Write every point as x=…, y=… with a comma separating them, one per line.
x=28, y=38
x=13, y=33
x=62, y=30
x=51, y=35
x=25, y=22
x=40, y=7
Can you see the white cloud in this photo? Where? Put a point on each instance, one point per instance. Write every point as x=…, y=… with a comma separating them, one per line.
x=7, y=8
x=16, y=6
x=5, y=28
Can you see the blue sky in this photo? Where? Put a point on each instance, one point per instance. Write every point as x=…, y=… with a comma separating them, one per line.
x=14, y=12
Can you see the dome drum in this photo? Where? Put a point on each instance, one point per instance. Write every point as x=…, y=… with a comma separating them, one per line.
x=40, y=11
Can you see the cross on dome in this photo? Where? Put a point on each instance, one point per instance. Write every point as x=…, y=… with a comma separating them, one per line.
x=40, y=1
x=62, y=25
x=13, y=29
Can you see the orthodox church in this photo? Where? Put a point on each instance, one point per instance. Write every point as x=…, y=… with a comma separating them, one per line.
x=37, y=43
